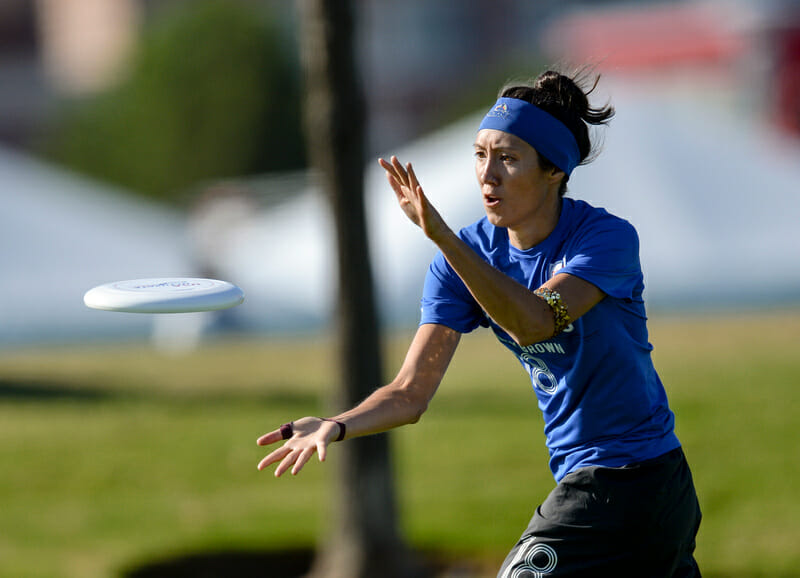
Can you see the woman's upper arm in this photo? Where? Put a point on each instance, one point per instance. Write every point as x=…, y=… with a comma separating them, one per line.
x=578, y=295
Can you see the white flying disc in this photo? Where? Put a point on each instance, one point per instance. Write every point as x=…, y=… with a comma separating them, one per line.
x=164, y=295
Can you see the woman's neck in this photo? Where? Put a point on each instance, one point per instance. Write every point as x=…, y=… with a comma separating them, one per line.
x=531, y=234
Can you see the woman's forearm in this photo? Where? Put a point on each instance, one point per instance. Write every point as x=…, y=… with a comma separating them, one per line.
x=515, y=308
x=387, y=407
x=405, y=399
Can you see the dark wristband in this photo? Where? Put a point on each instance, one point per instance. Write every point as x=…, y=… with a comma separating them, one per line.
x=342, y=428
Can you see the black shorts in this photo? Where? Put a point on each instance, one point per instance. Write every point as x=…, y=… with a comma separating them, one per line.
x=639, y=520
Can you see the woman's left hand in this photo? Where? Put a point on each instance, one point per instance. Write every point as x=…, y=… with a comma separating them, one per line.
x=412, y=199
x=306, y=436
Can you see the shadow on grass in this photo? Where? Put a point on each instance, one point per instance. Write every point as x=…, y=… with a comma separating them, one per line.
x=283, y=564
x=243, y=564
x=22, y=390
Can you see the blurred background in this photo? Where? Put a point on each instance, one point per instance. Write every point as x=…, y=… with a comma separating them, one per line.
x=144, y=138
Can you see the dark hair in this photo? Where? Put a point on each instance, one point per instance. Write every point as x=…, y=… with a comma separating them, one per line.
x=566, y=98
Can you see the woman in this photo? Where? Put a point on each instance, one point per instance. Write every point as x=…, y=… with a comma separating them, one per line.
x=560, y=284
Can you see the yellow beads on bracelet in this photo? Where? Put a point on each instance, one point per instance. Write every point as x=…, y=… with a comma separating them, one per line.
x=560, y=314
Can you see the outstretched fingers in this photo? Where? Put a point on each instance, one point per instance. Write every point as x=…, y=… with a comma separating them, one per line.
x=387, y=165
x=270, y=438
x=289, y=458
x=395, y=169
x=303, y=438
x=302, y=459
x=400, y=171
x=322, y=450
x=396, y=187
x=406, y=188
x=413, y=182
x=276, y=456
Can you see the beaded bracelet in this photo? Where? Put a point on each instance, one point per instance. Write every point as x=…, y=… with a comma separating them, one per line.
x=560, y=315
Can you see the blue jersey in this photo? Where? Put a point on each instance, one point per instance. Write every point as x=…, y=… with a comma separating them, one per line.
x=602, y=400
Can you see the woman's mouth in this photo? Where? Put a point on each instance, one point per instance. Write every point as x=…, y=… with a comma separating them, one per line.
x=491, y=200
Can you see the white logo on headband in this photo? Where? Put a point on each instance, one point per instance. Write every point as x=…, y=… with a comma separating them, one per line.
x=500, y=111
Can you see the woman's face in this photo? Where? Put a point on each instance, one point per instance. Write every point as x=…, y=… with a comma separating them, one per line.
x=517, y=193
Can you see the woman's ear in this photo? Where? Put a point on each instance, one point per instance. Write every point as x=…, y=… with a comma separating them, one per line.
x=555, y=174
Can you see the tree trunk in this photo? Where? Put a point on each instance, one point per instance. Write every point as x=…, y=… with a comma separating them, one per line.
x=363, y=540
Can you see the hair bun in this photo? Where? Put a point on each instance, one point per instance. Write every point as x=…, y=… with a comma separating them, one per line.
x=570, y=93
x=566, y=97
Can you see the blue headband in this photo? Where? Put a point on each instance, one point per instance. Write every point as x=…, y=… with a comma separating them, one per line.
x=548, y=135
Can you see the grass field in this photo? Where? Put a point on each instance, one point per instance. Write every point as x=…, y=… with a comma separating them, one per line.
x=116, y=456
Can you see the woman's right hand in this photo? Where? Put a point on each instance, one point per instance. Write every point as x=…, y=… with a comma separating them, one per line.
x=308, y=435
x=412, y=199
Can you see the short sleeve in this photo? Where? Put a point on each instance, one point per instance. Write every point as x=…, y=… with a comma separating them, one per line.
x=606, y=254
x=447, y=301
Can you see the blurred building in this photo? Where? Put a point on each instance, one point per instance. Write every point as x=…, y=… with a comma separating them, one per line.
x=53, y=48
x=417, y=56
x=786, y=34
x=84, y=43
x=746, y=54
x=24, y=94
x=56, y=48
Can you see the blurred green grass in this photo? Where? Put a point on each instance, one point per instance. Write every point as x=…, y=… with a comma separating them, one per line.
x=116, y=455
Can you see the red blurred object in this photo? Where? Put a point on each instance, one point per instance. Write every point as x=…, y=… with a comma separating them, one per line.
x=648, y=37
x=787, y=76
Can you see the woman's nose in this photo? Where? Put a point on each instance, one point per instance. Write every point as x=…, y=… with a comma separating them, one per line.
x=487, y=173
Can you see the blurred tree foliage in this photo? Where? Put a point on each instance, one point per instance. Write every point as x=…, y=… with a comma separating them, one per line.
x=210, y=93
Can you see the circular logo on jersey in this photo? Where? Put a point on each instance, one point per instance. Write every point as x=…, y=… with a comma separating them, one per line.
x=541, y=375
x=539, y=560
